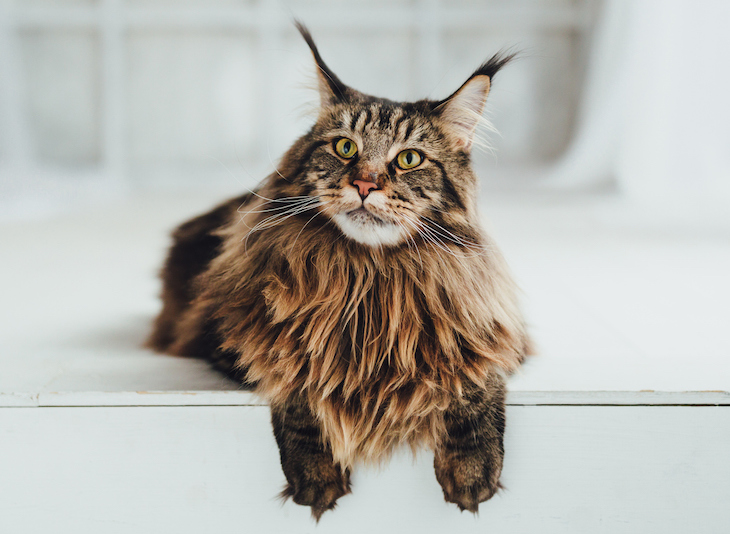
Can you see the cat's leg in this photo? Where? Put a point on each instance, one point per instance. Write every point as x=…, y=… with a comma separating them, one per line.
x=468, y=461
x=314, y=479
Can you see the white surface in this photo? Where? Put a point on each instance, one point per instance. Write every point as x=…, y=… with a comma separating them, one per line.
x=616, y=301
x=100, y=435
x=215, y=469
x=87, y=399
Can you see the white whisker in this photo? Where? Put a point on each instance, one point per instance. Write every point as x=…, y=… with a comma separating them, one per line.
x=439, y=233
x=274, y=220
x=268, y=154
x=304, y=226
x=446, y=234
x=278, y=218
x=284, y=207
x=292, y=202
x=409, y=238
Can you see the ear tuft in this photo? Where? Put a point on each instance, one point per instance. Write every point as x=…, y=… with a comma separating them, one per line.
x=331, y=89
x=491, y=66
x=462, y=111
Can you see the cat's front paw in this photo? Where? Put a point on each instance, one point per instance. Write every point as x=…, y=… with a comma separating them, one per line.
x=318, y=488
x=469, y=478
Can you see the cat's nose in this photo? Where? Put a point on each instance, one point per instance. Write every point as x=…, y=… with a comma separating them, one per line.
x=364, y=187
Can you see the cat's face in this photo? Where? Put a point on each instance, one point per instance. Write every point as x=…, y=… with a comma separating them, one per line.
x=386, y=172
x=381, y=168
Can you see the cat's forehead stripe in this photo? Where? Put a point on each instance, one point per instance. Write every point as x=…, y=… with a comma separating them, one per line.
x=373, y=115
x=368, y=118
x=363, y=120
x=393, y=120
x=355, y=119
x=399, y=123
x=384, y=117
x=409, y=130
x=346, y=118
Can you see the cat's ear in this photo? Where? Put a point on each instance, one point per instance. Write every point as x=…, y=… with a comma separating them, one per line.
x=462, y=111
x=331, y=89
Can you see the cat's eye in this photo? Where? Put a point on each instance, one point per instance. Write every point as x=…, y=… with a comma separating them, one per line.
x=346, y=148
x=408, y=159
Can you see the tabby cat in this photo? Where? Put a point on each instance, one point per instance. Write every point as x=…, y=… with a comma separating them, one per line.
x=356, y=292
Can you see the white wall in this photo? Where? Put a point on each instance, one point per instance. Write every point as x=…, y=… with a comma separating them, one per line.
x=163, y=91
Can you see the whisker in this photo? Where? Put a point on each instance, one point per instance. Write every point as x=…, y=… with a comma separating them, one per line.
x=243, y=168
x=304, y=226
x=278, y=218
x=286, y=206
x=429, y=234
x=440, y=233
x=417, y=225
x=271, y=161
x=409, y=239
x=293, y=202
x=444, y=246
x=448, y=235
x=230, y=172
x=283, y=199
x=443, y=232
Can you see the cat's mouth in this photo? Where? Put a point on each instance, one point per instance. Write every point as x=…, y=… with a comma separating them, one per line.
x=363, y=226
x=363, y=215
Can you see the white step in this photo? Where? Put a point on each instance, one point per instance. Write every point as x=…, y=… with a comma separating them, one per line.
x=621, y=424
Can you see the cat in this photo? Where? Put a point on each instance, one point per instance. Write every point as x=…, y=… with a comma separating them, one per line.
x=356, y=292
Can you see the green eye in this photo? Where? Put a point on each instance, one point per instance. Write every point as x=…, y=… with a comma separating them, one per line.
x=408, y=159
x=346, y=148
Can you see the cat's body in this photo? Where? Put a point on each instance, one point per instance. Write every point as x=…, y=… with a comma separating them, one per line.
x=356, y=292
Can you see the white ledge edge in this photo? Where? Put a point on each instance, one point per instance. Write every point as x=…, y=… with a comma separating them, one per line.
x=247, y=398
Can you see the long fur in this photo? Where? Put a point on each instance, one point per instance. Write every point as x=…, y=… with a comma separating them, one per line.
x=379, y=341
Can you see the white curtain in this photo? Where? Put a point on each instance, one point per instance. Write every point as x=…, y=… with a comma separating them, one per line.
x=655, y=118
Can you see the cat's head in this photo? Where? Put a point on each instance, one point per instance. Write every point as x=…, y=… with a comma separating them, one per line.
x=389, y=172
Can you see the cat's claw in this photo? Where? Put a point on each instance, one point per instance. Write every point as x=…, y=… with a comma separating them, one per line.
x=319, y=495
x=468, y=481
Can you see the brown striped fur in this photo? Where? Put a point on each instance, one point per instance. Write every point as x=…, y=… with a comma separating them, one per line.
x=382, y=345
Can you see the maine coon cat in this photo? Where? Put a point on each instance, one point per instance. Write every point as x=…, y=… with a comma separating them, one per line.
x=356, y=292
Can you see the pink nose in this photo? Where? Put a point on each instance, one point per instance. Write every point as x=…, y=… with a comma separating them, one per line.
x=364, y=187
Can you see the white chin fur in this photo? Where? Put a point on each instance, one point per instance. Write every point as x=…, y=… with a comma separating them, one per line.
x=369, y=231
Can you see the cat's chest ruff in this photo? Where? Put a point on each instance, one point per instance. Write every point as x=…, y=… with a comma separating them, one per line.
x=334, y=318
x=365, y=321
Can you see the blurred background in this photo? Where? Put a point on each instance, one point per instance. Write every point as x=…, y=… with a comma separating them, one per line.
x=103, y=98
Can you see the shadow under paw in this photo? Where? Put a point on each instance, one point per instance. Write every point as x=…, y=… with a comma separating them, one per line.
x=468, y=479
